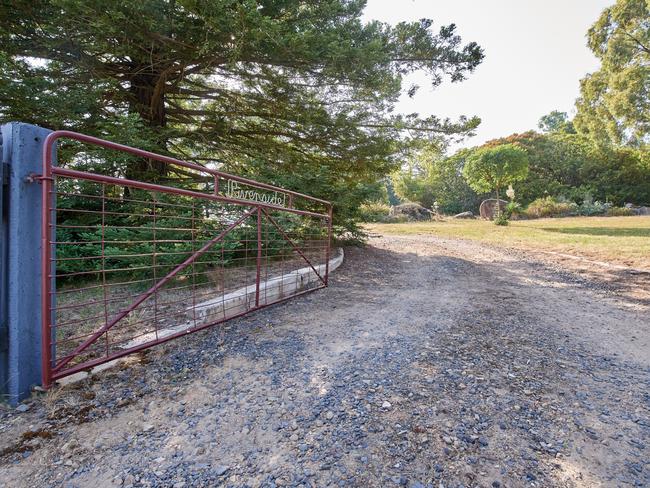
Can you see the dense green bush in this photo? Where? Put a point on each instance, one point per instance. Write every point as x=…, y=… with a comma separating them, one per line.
x=619, y=212
x=502, y=219
x=374, y=212
x=550, y=207
x=512, y=209
x=588, y=207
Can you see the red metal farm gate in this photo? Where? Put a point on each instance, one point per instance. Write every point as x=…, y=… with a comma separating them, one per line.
x=129, y=264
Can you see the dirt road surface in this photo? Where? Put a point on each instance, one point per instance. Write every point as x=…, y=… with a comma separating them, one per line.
x=427, y=362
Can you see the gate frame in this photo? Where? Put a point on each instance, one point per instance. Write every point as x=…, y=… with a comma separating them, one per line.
x=49, y=171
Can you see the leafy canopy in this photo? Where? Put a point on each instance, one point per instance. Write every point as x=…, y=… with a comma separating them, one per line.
x=412, y=182
x=431, y=178
x=491, y=168
x=299, y=93
x=556, y=121
x=561, y=165
x=614, y=103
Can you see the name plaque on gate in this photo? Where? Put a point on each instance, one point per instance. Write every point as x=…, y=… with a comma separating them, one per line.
x=233, y=190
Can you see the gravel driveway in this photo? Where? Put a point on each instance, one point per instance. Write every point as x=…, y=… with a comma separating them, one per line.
x=427, y=362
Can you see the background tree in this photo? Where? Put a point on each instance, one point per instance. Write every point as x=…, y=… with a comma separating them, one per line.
x=437, y=178
x=412, y=182
x=617, y=175
x=565, y=166
x=554, y=163
x=453, y=193
x=494, y=168
x=614, y=103
x=556, y=121
x=297, y=93
x=573, y=167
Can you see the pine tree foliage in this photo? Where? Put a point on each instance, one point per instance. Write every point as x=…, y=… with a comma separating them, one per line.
x=299, y=93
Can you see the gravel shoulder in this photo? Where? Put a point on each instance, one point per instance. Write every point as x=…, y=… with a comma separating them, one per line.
x=427, y=362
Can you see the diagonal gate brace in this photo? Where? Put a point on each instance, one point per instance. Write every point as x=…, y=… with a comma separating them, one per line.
x=295, y=248
x=65, y=360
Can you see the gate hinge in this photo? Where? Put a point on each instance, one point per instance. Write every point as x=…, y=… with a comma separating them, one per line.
x=35, y=177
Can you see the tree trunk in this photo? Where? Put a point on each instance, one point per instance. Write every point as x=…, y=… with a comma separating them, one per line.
x=150, y=107
x=148, y=101
x=498, y=207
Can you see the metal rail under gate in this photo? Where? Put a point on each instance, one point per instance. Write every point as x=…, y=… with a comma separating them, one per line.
x=129, y=264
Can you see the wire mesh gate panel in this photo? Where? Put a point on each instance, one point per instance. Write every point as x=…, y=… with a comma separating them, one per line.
x=129, y=264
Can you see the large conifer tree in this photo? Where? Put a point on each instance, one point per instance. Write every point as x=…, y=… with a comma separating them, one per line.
x=300, y=93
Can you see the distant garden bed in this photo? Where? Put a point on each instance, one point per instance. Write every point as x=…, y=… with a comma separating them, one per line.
x=546, y=207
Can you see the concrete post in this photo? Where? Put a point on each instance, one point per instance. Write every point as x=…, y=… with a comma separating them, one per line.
x=20, y=365
x=4, y=329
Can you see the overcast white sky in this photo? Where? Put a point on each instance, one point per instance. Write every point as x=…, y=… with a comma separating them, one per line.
x=535, y=55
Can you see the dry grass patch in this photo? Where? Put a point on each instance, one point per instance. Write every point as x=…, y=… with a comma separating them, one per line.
x=617, y=240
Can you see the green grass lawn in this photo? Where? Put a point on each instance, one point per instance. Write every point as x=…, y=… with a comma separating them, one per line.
x=620, y=240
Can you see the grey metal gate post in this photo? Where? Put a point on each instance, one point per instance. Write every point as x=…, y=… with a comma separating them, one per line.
x=20, y=258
